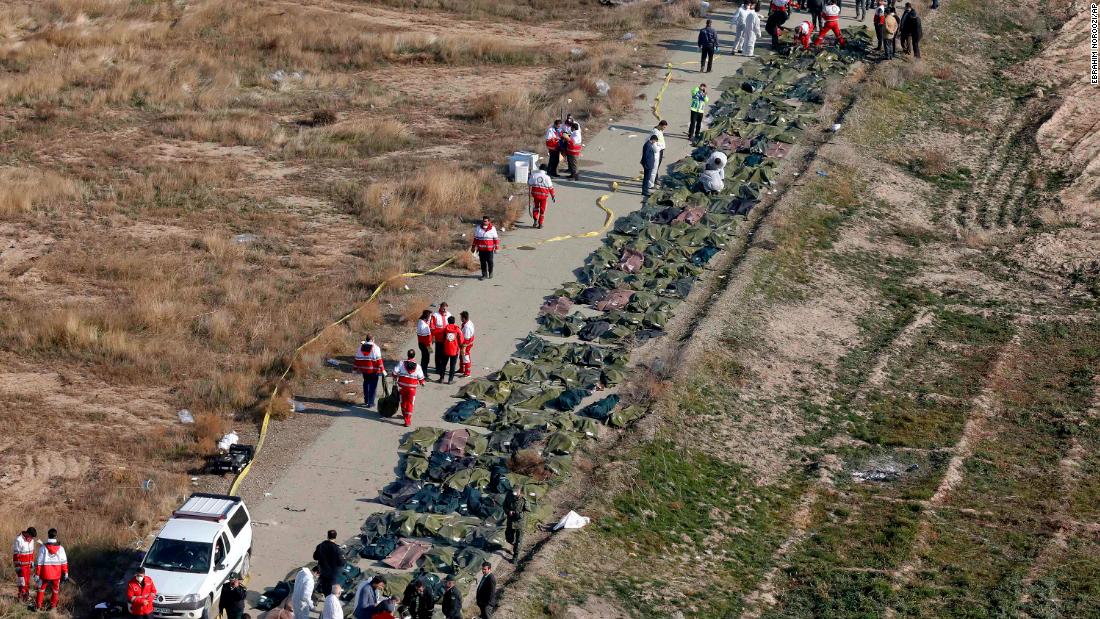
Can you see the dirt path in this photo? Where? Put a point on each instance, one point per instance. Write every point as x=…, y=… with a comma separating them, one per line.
x=335, y=481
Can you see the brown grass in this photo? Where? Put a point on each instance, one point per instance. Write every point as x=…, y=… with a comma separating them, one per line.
x=24, y=189
x=412, y=307
x=353, y=138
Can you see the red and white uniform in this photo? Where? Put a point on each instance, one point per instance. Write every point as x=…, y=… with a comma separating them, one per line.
x=140, y=596
x=542, y=189
x=780, y=5
x=22, y=558
x=831, y=15
x=452, y=340
x=573, y=142
x=52, y=566
x=467, y=346
x=436, y=324
x=802, y=33
x=370, y=362
x=424, y=332
x=553, y=137
x=485, y=239
x=408, y=379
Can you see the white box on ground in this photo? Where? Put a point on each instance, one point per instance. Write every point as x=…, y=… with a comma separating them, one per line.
x=520, y=172
x=531, y=159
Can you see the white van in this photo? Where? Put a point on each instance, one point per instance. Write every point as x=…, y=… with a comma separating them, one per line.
x=208, y=538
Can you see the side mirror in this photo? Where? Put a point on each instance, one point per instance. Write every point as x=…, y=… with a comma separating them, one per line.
x=220, y=567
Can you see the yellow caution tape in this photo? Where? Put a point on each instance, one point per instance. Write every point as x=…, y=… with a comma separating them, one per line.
x=661, y=93
x=609, y=215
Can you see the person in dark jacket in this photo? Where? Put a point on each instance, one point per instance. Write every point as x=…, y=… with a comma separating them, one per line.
x=452, y=600
x=515, y=515
x=815, y=7
x=233, y=597
x=911, y=32
x=487, y=591
x=708, y=43
x=330, y=560
x=417, y=602
x=901, y=27
x=650, y=155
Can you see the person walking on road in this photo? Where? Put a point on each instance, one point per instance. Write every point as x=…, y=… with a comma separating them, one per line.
x=832, y=24
x=649, y=165
x=234, y=595
x=409, y=376
x=541, y=189
x=424, y=337
x=515, y=514
x=452, y=346
x=890, y=33
x=330, y=560
x=140, y=593
x=368, y=361
x=301, y=599
x=52, y=566
x=333, y=609
x=466, y=363
x=737, y=25
x=861, y=9
x=22, y=559
x=708, y=44
x=486, y=596
x=778, y=12
x=699, y=101
x=659, y=132
x=553, y=141
x=486, y=243
x=911, y=32
x=747, y=43
x=452, y=599
x=437, y=323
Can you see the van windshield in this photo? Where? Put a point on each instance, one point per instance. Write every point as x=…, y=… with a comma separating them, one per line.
x=179, y=556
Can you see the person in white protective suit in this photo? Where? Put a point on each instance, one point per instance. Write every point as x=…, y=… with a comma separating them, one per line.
x=737, y=24
x=750, y=31
x=713, y=177
x=301, y=600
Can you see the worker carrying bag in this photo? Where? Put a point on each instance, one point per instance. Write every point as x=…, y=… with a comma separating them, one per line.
x=387, y=406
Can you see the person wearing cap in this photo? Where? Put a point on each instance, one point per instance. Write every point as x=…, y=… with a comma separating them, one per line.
x=52, y=567
x=487, y=591
x=22, y=559
x=233, y=597
x=418, y=602
x=452, y=599
x=485, y=244
x=140, y=593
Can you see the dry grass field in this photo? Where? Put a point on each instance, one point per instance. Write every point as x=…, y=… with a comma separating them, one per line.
x=189, y=188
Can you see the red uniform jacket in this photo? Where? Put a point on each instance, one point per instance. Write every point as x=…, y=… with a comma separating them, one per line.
x=452, y=340
x=140, y=595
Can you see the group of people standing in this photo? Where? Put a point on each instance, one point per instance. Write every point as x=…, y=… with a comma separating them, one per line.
x=564, y=139
x=889, y=28
x=453, y=342
x=41, y=563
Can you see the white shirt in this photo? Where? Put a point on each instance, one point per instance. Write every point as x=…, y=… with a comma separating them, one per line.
x=539, y=178
x=738, y=18
x=831, y=10
x=401, y=371
x=468, y=330
x=660, y=139
x=302, y=600
x=423, y=328
x=482, y=233
x=22, y=546
x=576, y=133
x=333, y=609
x=552, y=133
x=439, y=321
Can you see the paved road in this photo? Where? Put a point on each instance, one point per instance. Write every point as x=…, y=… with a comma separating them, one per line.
x=336, y=480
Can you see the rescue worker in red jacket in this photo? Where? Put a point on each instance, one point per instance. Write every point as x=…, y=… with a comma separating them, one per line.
x=553, y=141
x=802, y=33
x=437, y=323
x=424, y=337
x=452, y=346
x=22, y=558
x=368, y=361
x=832, y=24
x=409, y=376
x=486, y=243
x=140, y=593
x=571, y=145
x=467, y=343
x=52, y=567
x=542, y=189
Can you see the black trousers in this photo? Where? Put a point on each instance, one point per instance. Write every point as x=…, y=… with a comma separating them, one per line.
x=572, y=161
x=441, y=362
x=915, y=43
x=486, y=260
x=325, y=584
x=425, y=355
x=439, y=354
x=890, y=45
x=706, y=60
x=880, y=34
x=695, y=127
x=552, y=167
x=486, y=612
x=816, y=19
x=775, y=20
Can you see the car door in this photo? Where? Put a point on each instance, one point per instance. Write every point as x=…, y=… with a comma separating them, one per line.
x=222, y=556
